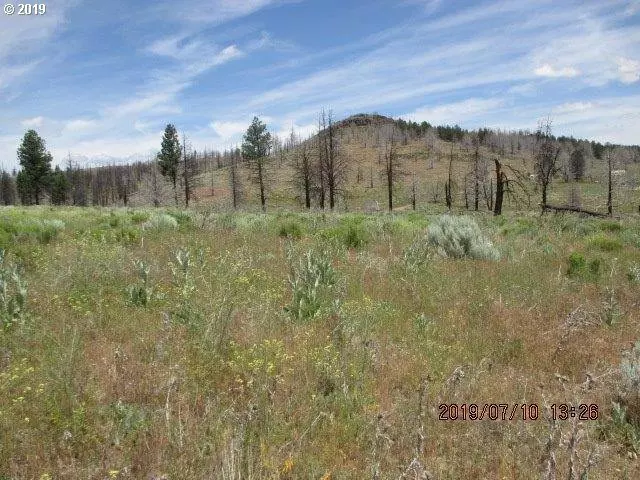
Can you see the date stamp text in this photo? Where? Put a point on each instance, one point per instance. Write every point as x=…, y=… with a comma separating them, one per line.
x=516, y=411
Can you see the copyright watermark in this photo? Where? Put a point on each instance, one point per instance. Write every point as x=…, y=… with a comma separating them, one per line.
x=25, y=9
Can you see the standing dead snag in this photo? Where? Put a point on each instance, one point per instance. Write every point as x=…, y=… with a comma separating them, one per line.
x=609, y=185
x=392, y=167
x=303, y=177
x=449, y=184
x=503, y=185
x=332, y=165
x=500, y=181
x=234, y=181
x=546, y=159
x=189, y=166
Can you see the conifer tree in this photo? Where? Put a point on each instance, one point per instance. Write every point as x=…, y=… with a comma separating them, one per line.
x=35, y=161
x=169, y=157
x=255, y=149
x=59, y=187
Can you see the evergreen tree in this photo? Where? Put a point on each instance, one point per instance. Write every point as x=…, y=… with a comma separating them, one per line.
x=35, y=161
x=577, y=164
x=59, y=187
x=7, y=188
x=169, y=156
x=255, y=149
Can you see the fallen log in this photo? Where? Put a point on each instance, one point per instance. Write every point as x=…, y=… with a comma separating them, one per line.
x=558, y=208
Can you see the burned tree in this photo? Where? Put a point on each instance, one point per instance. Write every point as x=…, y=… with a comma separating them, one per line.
x=234, y=180
x=546, y=160
x=392, y=170
x=332, y=165
x=303, y=177
x=448, y=186
x=501, y=179
x=189, y=170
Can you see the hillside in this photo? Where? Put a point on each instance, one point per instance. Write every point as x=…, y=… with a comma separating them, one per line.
x=427, y=160
x=424, y=154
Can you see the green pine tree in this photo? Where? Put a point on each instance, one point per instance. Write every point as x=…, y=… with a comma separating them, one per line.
x=59, y=187
x=169, y=156
x=255, y=149
x=35, y=161
x=7, y=188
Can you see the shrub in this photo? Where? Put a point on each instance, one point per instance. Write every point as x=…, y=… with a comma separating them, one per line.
x=416, y=254
x=604, y=243
x=161, y=221
x=630, y=394
x=13, y=293
x=311, y=280
x=609, y=226
x=128, y=235
x=140, y=294
x=139, y=217
x=460, y=237
x=183, y=218
x=630, y=371
x=578, y=267
x=290, y=230
x=355, y=236
x=633, y=274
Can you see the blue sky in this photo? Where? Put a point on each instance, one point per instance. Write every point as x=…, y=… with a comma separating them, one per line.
x=100, y=79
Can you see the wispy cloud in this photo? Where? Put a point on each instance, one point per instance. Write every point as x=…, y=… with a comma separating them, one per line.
x=227, y=130
x=210, y=65
x=455, y=112
x=32, y=122
x=547, y=70
x=629, y=70
x=80, y=125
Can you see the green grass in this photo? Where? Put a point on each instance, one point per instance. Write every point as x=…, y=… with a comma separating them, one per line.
x=296, y=345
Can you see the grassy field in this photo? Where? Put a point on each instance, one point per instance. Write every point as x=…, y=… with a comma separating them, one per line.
x=163, y=344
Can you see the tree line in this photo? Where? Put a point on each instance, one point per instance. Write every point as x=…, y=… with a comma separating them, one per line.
x=320, y=166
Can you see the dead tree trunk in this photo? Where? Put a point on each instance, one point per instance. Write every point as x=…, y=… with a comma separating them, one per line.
x=497, y=210
x=610, y=187
x=476, y=180
x=447, y=188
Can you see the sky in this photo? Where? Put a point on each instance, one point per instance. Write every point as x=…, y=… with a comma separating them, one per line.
x=99, y=80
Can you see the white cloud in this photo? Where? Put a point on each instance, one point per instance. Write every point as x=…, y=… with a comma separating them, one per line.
x=301, y=131
x=573, y=107
x=219, y=11
x=547, y=70
x=227, y=130
x=142, y=127
x=79, y=125
x=32, y=122
x=28, y=37
x=629, y=70
x=10, y=73
x=456, y=112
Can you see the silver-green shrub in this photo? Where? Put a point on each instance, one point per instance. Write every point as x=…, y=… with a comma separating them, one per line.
x=13, y=293
x=161, y=221
x=140, y=294
x=460, y=237
x=630, y=371
x=311, y=279
x=634, y=273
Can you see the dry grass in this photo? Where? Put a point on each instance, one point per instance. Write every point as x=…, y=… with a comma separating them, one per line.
x=213, y=379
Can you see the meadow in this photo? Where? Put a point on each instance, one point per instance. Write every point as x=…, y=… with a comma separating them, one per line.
x=169, y=344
